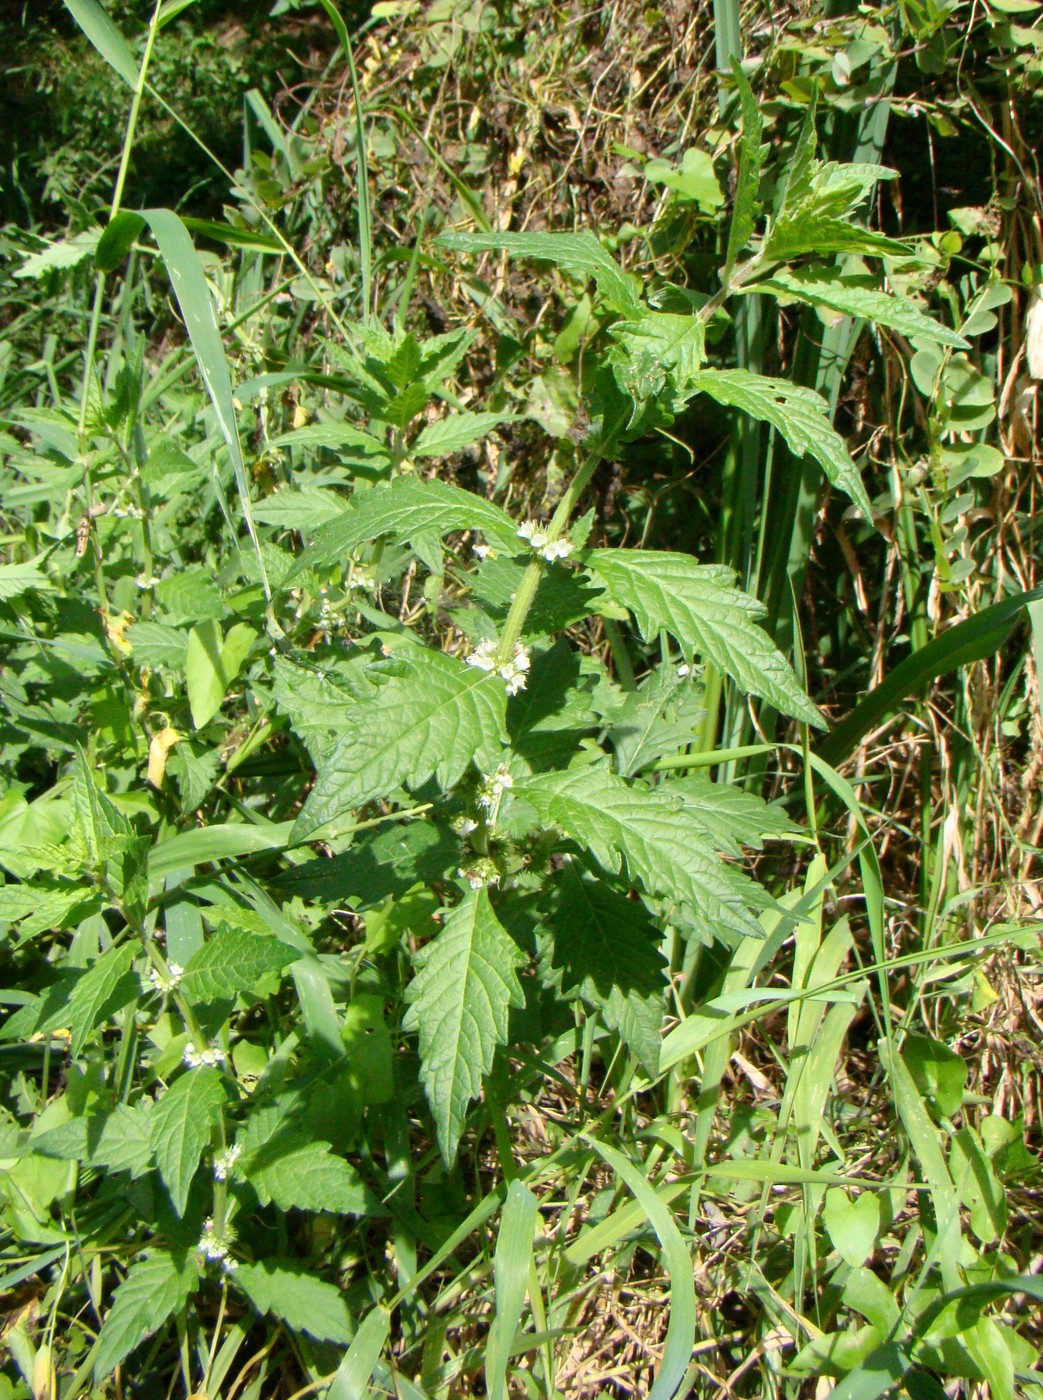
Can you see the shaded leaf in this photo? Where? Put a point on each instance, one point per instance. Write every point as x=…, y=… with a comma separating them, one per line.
x=233, y=961
x=293, y=1295
x=180, y=1129
x=153, y=1290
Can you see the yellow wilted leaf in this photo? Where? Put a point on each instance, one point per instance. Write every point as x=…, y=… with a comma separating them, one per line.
x=300, y=416
x=116, y=625
x=158, y=749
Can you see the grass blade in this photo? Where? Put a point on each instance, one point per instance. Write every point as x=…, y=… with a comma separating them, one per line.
x=511, y=1274
x=105, y=37
x=680, y=1332
x=353, y=1374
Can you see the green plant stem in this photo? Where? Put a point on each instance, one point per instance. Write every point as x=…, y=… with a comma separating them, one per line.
x=523, y=599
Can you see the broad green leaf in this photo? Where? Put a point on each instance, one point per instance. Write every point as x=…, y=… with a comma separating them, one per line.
x=201, y=845
x=304, y=508
x=692, y=179
x=212, y=663
x=234, y=961
x=709, y=617
x=354, y=1373
x=116, y=241
x=938, y=1072
x=108, y=986
x=406, y=508
x=853, y=1225
x=662, y=717
x=182, y=1121
x=511, y=1264
x=366, y=456
x=105, y=37
x=302, y=1175
x=751, y=161
x=799, y=415
x=978, y=1186
x=455, y=432
x=291, y=1293
x=153, y=1290
x=578, y=254
x=458, y=1002
x=152, y=644
x=648, y=834
x=124, y=1144
x=852, y=297
x=876, y=1376
x=823, y=233
x=436, y=719
x=16, y=579
x=732, y=816
x=606, y=950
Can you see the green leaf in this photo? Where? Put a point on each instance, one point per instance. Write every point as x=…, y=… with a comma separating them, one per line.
x=105, y=37
x=66, y=253
x=938, y=1072
x=822, y=233
x=699, y=605
x=16, y=579
x=303, y=508
x=105, y=989
x=731, y=816
x=458, y=1002
x=366, y=455
x=578, y=254
x=693, y=179
x=436, y=719
x=293, y=1295
x=648, y=833
x=353, y=1374
x=181, y=1124
x=153, y=645
x=307, y=1176
x=973, y=640
x=662, y=717
x=153, y=1290
x=511, y=1264
x=116, y=241
x=212, y=663
x=233, y=961
x=606, y=950
x=751, y=161
x=680, y=1330
x=853, y=1225
x=406, y=508
x=851, y=297
x=799, y=415
x=124, y=1144
x=454, y=433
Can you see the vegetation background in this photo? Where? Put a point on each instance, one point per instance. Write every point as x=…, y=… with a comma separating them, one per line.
x=800, y=1158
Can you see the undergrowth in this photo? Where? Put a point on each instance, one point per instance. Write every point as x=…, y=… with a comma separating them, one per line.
x=519, y=751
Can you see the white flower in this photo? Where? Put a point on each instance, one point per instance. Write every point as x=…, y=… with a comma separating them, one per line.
x=224, y=1164
x=480, y=877
x=683, y=670
x=467, y=826
x=166, y=984
x=483, y=551
x=213, y=1249
x=483, y=656
x=558, y=549
x=494, y=787
x=541, y=544
x=211, y=1057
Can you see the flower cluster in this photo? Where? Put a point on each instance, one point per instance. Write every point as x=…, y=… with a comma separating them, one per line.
x=494, y=787
x=212, y=1057
x=168, y=983
x=213, y=1249
x=224, y=1163
x=536, y=536
x=512, y=672
x=480, y=875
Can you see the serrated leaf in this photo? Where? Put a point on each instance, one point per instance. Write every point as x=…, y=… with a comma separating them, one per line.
x=751, y=162
x=459, y=1002
x=855, y=298
x=562, y=596
x=606, y=949
x=108, y=986
x=153, y=1290
x=648, y=834
x=731, y=816
x=180, y=1129
x=661, y=717
x=408, y=507
x=233, y=961
x=152, y=644
x=578, y=254
x=66, y=253
x=16, y=579
x=124, y=1143
x=455, y=432
x=303, y=508
x=699, y=605
x=799, y=415
x=293, y=1295
x=436, y=719
x=365, y=454
x=307, y=1176
x=817, y=233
